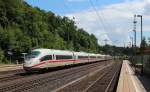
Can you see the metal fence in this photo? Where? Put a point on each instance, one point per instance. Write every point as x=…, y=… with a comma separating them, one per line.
x=143, y=60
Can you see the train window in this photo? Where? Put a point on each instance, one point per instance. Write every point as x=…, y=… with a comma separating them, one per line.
x=47, y=57
x=82, y=57
x=32, y=54
x=99, y=57
x=92, y=57
x=63, y=57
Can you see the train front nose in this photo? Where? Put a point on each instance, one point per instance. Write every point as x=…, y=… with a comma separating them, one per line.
x=27, y=65
x=31, y=60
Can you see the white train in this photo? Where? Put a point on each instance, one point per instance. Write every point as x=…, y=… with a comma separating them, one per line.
x=45, y=58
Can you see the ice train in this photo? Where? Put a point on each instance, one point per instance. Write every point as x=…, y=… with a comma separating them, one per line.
x=45, y=58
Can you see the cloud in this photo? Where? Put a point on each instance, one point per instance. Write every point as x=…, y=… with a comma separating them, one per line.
x=147, y=7
x=117, y=20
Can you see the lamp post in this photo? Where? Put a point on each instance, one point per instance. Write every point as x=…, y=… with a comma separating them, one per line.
x=105, y=52
x=141, y=42
x=131, y=41
x=134, y=47
x=24, y=55
x=141, y=27
x=134, y=30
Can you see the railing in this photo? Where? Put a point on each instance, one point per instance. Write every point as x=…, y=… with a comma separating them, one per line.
x=141, y=62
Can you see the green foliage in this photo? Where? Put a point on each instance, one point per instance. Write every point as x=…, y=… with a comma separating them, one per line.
x=149, y=41
x=143, y=44
x=23, y=28
x=1, y=55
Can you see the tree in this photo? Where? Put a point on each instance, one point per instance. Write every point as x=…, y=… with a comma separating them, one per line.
x=23, y=27
x=1, y=55
x=143, y=44
x=149, y=41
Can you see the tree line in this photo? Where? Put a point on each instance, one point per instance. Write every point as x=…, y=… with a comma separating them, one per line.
x=23, y=27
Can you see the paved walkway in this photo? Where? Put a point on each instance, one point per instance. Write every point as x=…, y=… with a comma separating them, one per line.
x=128, y=81
x=7, y=67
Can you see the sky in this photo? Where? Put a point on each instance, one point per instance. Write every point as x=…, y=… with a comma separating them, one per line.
x=106, y=19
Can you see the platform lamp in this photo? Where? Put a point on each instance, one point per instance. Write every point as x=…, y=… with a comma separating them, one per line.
x=141, y=40
x=141, y=26
x=134, y=30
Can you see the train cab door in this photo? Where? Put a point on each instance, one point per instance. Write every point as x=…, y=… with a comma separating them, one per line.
x=88, y=58
x=74, y=58
x=54, y=57
x=46, y=60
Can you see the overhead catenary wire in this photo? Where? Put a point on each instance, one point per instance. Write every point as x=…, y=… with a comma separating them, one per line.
x=98, y=15
x=100, y=19
x=107, y=21
x=109, y=25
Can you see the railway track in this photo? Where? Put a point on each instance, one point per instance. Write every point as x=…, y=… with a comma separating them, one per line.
x=7, y=76
x=102, y=80
x=10, y=72
x=45, y=80
x=10, y=75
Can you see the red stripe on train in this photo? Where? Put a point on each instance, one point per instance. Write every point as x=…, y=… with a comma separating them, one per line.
x=38, y=64
x=54, y=61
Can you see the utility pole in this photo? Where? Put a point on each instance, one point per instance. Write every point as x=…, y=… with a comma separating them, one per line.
x=124, y=44
x=134, y=30
x=68, y=36
x=131, y=41
x=132, y=48
x=130, y=44
x=141, y=44
x=105, y=41
x=106, y=51
x=141, y=27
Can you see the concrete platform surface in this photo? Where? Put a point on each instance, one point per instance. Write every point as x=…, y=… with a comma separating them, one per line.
x=128, y=81
x=7, y=67
x=145, y=80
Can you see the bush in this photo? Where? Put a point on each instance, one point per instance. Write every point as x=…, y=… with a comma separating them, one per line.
x=1, y=55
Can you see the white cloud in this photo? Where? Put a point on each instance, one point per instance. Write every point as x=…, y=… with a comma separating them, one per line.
x=117, y=18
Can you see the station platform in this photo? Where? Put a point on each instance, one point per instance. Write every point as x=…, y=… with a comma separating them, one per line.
x=7, y=67
x=128, y=81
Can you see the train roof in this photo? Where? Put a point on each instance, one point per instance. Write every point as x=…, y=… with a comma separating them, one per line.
x=81, y=53
x=66, y=52
x=53, y=51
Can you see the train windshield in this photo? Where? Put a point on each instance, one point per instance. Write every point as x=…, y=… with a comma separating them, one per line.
x=32, y=54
